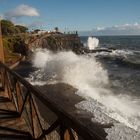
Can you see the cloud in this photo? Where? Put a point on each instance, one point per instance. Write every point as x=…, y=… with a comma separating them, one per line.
x=124, y=29
x=21, y=11
x=37, y=24
x=100, y=28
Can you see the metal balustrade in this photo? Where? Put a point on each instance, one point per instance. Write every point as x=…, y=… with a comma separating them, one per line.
x=23, y=96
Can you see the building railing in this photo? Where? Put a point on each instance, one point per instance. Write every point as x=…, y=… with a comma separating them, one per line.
x=24, y=97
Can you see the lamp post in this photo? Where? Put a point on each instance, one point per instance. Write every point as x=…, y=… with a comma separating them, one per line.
x=1, y=45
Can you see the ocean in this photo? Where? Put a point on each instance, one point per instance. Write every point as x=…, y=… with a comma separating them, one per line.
x=123, y=65
x=108, y=82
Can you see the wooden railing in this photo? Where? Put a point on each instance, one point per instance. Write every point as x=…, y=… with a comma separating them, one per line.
x=24, y=97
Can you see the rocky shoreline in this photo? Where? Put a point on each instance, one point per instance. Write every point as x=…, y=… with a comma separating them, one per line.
x=61, y=42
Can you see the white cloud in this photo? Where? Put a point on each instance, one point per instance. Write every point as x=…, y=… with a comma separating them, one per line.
x=136, y=24
x=100, y=28
x=124, y=29
x=20, y=11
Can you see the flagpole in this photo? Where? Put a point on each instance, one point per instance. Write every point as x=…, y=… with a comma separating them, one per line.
x=1, y=45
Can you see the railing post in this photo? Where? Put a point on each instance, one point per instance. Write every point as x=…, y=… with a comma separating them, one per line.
x=5, y=85
x=37, y=129
x=19, y=96
x=1, y=46
x=66, y=133
x=7, y=88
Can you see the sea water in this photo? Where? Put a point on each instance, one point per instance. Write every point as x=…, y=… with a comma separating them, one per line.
x=109, y=81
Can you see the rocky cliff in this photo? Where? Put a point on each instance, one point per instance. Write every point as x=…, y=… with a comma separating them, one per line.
x=56, y=42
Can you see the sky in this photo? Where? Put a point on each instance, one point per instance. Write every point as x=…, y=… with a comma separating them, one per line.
x=99, y=17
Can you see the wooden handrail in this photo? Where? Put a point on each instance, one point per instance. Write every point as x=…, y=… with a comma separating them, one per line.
x=65, y=120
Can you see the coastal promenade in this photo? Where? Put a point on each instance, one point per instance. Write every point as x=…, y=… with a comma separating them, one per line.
x=48, y=112
x=22, y=106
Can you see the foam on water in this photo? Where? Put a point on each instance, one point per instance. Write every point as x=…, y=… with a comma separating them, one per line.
x=119, y=132
x=116, y=53
x=91, y=80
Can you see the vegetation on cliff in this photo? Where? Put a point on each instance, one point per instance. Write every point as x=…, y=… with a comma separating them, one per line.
x=8, y=28
x=13, y=40
x=15, y=36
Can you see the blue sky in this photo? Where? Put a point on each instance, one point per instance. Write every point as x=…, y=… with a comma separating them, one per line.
x=88, y=16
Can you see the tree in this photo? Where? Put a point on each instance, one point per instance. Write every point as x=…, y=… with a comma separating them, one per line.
x=7, y=27
x=22, y=29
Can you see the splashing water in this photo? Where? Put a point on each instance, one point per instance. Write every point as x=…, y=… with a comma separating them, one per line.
x=91, y=80
x=92, y=43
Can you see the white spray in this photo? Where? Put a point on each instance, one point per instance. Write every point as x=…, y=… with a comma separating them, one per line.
x=92, y=43
x=87, y=75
